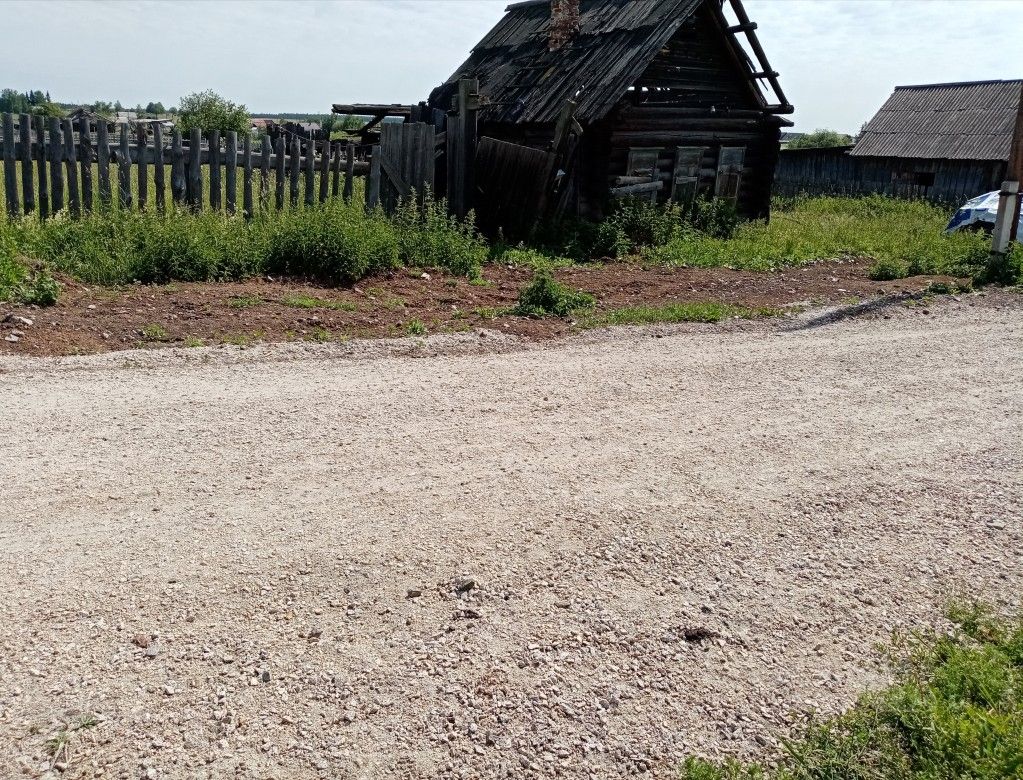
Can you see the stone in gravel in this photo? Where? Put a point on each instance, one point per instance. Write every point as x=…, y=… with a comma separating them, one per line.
x=227, y=659
x=141, y=640
x=12, y=336
x=413, y=593
x=264, y=676
x=464, y=585
x=152, y=651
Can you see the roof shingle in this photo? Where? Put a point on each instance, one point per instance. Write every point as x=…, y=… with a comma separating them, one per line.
x=963, y=121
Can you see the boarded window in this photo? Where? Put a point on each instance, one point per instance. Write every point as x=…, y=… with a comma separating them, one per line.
x=730, y=172
x=686, y=181
x=643, y=162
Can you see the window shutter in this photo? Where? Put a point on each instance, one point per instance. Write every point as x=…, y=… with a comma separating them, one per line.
x=686, y=181
x=730, y=172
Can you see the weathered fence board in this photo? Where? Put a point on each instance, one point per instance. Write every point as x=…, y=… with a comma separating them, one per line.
x=27, y=188
x=44, y=190
x=216, y=203
x=158, y=171
x=296, y=163
x=124, y=170
x=103, y=161
x=231, y=171
x=85, y=159
x=56, y=140
x=407, y=162
x=10, y=172
x=143, y=143
x=247, y=177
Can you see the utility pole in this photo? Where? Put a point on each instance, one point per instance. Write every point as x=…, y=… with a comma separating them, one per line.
x=1007, y=220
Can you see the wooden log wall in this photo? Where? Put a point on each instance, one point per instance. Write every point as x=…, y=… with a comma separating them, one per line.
x=835, y=172
x=52, y=164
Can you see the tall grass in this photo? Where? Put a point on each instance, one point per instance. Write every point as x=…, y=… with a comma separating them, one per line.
x=335, y=242
x=906, y=235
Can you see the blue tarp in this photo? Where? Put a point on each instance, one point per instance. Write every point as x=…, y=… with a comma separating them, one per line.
x=980, y=210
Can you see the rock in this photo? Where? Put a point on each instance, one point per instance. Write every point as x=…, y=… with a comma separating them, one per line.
x=464, y=585
x=12, y=338
x=264, y=676
x=152, y=651
x=141, y=640
x=168, y=690
x=413, y=593
x=227, y=659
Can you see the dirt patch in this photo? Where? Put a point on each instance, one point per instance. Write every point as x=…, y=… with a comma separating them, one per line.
x=95, y=319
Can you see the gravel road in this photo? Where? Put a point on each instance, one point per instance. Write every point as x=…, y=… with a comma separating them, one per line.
x=483, y=558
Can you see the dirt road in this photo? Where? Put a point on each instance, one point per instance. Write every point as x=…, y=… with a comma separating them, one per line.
x=580, y=559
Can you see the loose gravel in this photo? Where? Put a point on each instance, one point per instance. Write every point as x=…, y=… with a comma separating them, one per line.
x=584, y=559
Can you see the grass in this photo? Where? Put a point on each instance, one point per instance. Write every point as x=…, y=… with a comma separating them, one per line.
x=415, y=328
x=341, y=243
x=954, y=711
x=905, y=238
x=244, y=301
x=698, y=311
x=312, y=302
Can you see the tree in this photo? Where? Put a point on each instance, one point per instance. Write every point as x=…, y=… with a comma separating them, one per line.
x=155, y=109
x=103, y=108
x=820, y=139
x=48, y=109
x=209, y=111
x=13, y=102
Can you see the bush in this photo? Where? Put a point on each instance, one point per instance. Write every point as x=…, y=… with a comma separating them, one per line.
x=336, y=243
x=955, y=711
x=430, y=237
x=209, y=111
x=544, y=296
x=887, y=270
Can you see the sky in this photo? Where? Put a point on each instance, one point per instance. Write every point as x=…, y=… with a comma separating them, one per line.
x=838, y=59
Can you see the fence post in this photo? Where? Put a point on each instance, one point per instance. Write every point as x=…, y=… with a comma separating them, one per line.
x=195, y=169
x=324, y=171
x=215, y=199
x=103, y=160
x=124, y=169
x=279, y=172
x=462, y=148
x=70, y=166
x=231, y=170
x=350, y=173
x=373, y=185
x=56, y=172
x=264, y=175
x=335, y=171
x=28, y=195
x=10, y=174
x=44, y=192
x=85, y=160
x=158, y=171
x=296, y=161
x=310, y=162
x=247, y=176
x=143, y=164
x=178, y=185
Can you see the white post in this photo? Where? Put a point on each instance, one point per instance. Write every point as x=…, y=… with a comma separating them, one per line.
x=1002, y=234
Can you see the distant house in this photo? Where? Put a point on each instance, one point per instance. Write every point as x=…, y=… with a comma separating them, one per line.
x=942, y=142
x=667, y=99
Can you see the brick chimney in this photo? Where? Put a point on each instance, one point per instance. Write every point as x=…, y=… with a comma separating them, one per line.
x=564, y=22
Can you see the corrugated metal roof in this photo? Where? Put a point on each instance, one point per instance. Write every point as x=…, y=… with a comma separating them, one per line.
x=964, y=121
x=522, y=81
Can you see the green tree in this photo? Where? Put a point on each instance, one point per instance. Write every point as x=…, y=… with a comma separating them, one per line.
x=14, y=102
x=155, y=109
x=103, y=108
x=48, y=109
x=209, y=111
x=820, y=139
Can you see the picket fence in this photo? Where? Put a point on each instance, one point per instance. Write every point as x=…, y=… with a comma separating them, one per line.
x=56, y=159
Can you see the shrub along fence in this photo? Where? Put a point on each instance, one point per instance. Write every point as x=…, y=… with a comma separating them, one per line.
x=58, y=158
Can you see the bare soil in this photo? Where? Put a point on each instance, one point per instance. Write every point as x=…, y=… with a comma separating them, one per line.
x=97, y=319
x=580, y=558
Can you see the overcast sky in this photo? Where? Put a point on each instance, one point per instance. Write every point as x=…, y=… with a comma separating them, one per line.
x=838, y=59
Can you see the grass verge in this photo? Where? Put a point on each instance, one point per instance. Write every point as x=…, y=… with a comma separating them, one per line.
x=954, y=711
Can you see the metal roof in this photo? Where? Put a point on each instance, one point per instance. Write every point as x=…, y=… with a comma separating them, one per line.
x=962, y=121
x=521, y=80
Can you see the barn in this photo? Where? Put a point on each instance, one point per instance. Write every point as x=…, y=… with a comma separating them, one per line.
x=940, y=142
x=672, y=98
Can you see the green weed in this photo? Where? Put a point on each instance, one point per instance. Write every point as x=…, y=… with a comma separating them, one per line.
x=415, y=328
x=243, y=301
x=154, y=332
x=545, y=296
x=954, y=711
x=311, y=302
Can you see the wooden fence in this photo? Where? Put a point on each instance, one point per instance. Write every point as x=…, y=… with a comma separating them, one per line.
x=58, y=158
